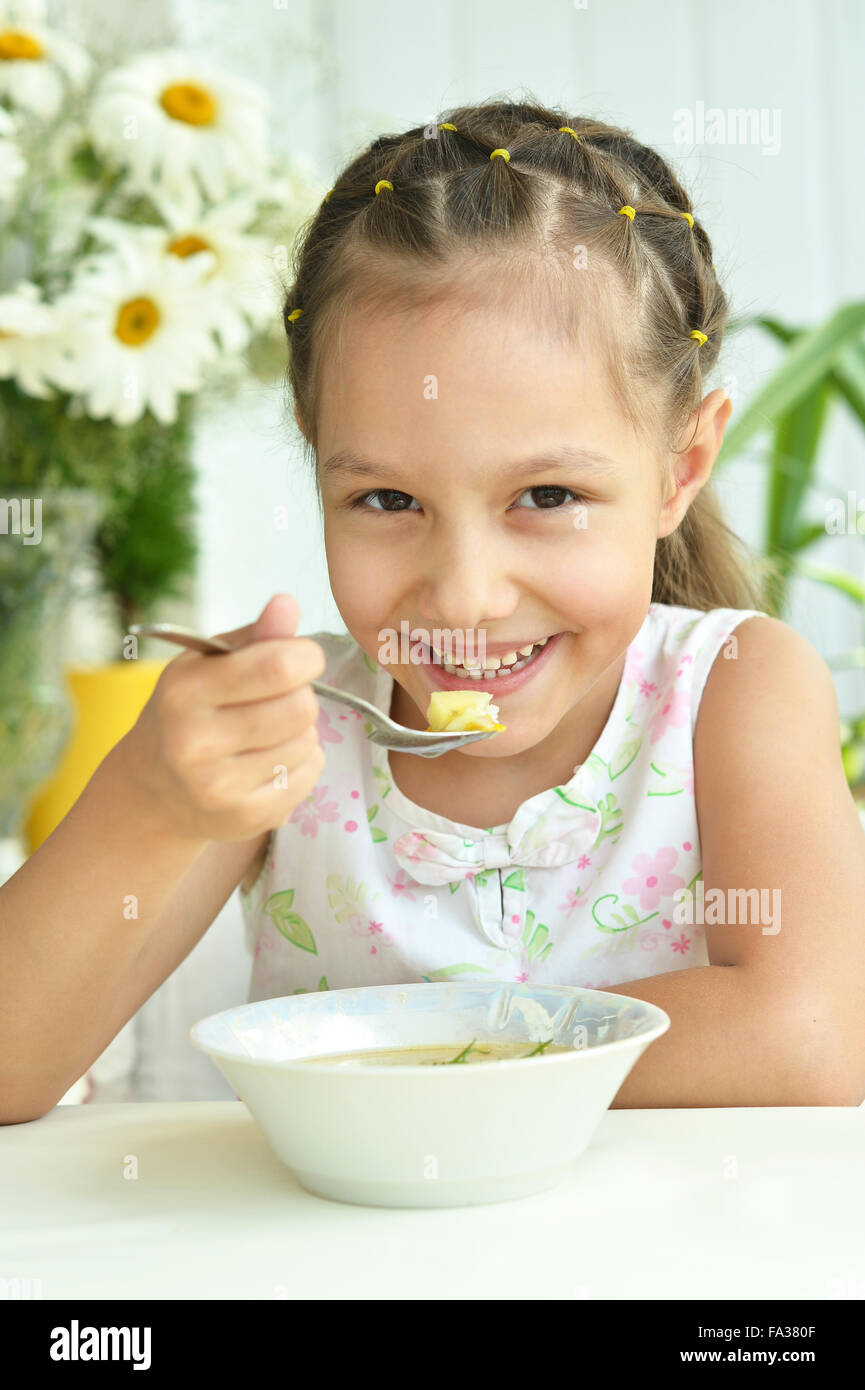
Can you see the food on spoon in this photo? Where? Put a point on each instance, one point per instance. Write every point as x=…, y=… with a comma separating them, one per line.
x=461, y=711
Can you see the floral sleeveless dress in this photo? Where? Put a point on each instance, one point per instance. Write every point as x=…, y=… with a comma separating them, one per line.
x=361, y=886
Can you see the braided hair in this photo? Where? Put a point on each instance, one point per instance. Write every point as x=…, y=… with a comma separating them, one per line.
x=415, y=211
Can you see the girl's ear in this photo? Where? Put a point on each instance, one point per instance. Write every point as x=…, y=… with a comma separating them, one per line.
x=694, y=468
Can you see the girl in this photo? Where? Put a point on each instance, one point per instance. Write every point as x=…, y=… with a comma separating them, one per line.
x=499, y=331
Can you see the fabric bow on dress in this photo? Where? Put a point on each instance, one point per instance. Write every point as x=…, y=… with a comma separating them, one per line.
x=550, y=829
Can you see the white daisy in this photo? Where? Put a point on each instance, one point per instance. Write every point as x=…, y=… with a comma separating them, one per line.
x=141, y=333
x=33, y=339
x=243, y=294
x=37, y=65
x=170, y=118
x=13, y=165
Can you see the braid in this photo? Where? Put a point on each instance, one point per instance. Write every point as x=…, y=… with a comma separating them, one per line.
x=402, y=161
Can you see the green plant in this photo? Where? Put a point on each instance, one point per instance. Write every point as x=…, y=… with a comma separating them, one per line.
x=822, y=367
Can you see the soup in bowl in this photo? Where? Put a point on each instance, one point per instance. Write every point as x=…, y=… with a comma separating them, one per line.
x=430, y=1095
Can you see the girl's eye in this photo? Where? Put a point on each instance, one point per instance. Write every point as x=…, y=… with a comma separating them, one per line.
x=545, y=488
x=380, y=492
x=548, y=488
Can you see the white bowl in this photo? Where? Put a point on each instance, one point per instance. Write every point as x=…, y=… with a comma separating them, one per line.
x=420, y=1135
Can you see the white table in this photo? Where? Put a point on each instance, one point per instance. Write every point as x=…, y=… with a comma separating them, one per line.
x=665, y=1204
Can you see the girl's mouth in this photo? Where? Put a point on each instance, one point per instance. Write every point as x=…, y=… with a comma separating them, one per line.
x=496, y=683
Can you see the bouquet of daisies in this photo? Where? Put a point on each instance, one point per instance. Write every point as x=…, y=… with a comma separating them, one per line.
x=144, y=227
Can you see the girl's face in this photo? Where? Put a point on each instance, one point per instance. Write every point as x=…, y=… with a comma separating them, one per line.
x=460, y=525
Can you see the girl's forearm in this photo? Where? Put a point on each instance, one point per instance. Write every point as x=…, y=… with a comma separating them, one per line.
x=73, y=921
x=729, y=1043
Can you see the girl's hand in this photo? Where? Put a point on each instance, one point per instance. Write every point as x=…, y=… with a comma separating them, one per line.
x=226, y=747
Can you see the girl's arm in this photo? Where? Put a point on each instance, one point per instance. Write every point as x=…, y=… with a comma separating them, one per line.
x=778, y=1018
x=99, y=915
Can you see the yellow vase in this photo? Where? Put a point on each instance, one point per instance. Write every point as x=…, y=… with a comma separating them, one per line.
x=106, y=702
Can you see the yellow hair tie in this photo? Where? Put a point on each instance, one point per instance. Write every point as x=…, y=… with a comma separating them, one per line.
x=688, y=218
x=383, y=183
x=446, y=125
x=295, y=314
x=504, y=154
x=566, y=129
x=701, y=337
x=628, y=211
x=327, y=196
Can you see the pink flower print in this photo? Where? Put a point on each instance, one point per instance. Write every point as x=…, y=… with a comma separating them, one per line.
x=401, y=884
x=373, y=931
x=682, y=944
x=573, y=899
x=583, y=862
x=326, y=731
x=649, y=941
x=313, y=809
x=417, y=846
x=522, y=977
x=646, y=688
x=633, y=670
x=652, y=878
x=675, y=711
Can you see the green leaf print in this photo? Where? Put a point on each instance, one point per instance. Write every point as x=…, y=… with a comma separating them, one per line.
x=454, y=885
x=446, y=972
x=369, y=663
x=322, y=984
x=581, y=804
x=516, y=880
x=672, y=779
x=288, y=924
x=535, y=938
x=624, y=755
x=377, y=835
x=345, y=897
x=595, y=764
x=627, y=909
x=383, y=781
x=611, y=819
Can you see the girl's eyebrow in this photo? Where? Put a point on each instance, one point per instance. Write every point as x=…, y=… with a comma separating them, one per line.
x=346, y=463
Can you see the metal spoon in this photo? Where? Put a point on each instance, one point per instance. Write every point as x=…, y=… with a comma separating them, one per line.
x=379, y=728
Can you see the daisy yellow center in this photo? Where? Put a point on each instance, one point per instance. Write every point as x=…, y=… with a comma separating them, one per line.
x=190, y=102
x=15, y=44
x=137, y=321
x=187, y=246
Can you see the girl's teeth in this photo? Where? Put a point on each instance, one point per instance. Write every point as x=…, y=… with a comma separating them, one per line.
x=493, y=665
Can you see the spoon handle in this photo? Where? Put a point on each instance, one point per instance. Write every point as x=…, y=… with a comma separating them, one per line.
x=171, y=632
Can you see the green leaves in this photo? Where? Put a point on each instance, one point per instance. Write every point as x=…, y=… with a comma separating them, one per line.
x=812, y=355
x=822, y=365
x=288, y=924
x=377, y=835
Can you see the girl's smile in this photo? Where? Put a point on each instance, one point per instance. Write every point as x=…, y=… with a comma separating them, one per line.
x=441, y=679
